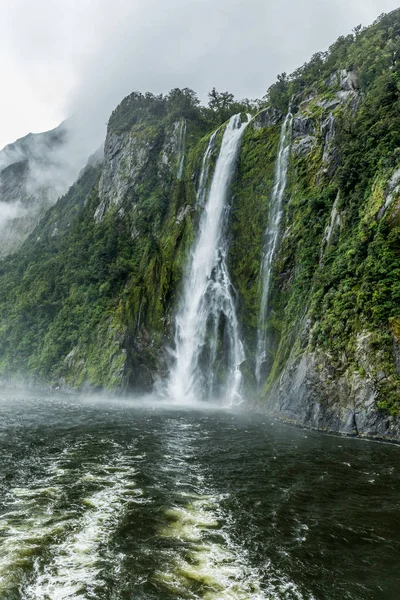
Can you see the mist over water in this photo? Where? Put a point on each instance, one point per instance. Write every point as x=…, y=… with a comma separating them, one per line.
x=107, y=498
x=37, y=170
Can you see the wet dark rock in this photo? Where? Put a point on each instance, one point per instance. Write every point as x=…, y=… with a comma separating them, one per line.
x=267, y=118
x=343, y=80
x=303, y=126
x=309, y=394
x=328, y=134
x=304, y=146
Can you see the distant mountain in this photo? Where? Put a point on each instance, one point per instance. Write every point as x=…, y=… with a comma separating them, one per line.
x=298, y=300
x=34, y=171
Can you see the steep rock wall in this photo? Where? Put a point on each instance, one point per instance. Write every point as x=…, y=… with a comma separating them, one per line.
x=334, y=318
x=89, y=299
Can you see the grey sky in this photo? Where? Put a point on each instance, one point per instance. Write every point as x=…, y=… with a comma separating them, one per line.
x=59, y=57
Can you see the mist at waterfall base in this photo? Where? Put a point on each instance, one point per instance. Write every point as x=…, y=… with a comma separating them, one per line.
x=175, y=496
x=208, y=297
x=131, y=498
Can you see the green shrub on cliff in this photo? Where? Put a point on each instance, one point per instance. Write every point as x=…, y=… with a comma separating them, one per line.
x=81, y=279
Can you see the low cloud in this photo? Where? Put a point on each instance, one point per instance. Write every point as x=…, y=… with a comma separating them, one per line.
x=78, y=61
x=9, y=212
x=229, y=44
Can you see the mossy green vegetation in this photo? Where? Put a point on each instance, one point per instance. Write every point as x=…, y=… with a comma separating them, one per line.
x=346, y=288
x=90, y=297
x=247, y=221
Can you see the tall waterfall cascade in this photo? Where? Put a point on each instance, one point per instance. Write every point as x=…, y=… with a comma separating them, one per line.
x=271, y=240
x=181, y=147
x=206, y=320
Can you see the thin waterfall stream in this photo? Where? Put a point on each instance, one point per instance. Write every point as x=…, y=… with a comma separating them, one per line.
x=208, y=303
x=271, y=239
x=181, y=147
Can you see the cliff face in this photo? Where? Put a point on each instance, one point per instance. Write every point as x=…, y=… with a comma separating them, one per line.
x=89, y=300
x=335, y=304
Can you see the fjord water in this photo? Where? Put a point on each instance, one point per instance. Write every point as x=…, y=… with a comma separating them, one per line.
x=208, y=300
x=271, y=236
x=123, y=499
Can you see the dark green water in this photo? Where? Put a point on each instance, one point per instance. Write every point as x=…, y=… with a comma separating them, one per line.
x=110, y=500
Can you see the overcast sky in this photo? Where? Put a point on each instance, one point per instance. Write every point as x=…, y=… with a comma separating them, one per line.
x=58, y=57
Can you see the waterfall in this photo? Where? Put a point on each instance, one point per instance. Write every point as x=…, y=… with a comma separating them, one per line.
x=181, y=147
x=207, y=309
x=271, y=238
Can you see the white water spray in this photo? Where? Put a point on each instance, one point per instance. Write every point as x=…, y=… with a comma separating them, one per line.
x=207, y=307
x=271, y=238
x=181, y=147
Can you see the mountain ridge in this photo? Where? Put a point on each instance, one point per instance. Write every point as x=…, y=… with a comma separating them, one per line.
x=89, y=300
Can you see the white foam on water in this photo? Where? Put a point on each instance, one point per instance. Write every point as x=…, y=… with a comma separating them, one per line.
x=51, y=552
x=76, y=562
x=207, y=562
x=213, y=562
x=29, y=521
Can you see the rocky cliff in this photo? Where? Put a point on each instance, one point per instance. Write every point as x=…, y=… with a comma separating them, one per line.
x=335, y=303
x=89, y=299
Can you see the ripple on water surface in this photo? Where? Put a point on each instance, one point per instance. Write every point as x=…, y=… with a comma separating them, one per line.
x=205, y=562
x=74, y=565
x=108, y=501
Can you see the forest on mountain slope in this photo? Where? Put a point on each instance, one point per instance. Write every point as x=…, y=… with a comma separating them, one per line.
x=89, y=299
